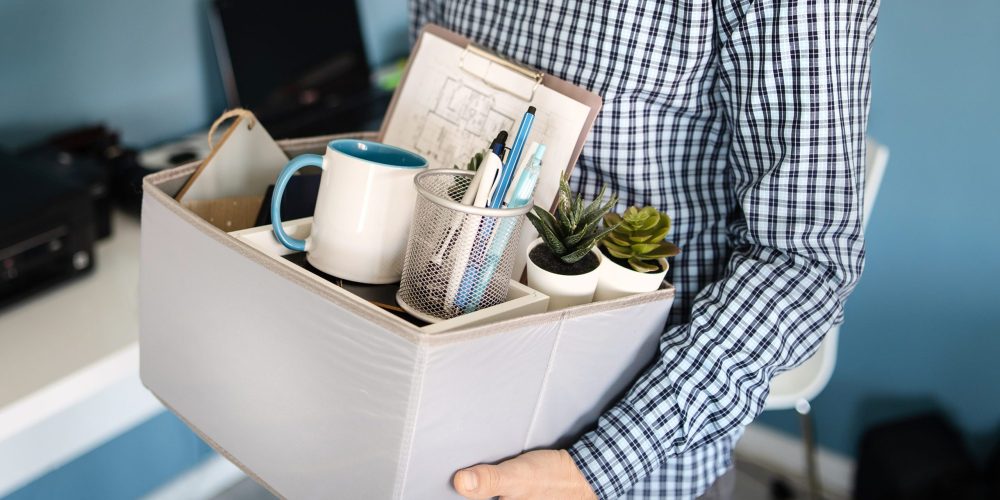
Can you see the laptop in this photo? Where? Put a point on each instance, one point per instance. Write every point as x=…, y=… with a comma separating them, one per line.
x=299, y=65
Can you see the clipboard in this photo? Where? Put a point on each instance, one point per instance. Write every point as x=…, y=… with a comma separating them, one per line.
x=475, y=79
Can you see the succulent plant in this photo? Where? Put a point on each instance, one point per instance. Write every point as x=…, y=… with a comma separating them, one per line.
x=637, y=238
x=574, y=229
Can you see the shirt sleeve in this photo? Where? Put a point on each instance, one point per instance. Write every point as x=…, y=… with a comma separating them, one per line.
x=793, y=77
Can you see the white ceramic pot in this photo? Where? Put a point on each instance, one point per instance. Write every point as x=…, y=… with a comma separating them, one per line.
x=563, y=290
x=616, y=281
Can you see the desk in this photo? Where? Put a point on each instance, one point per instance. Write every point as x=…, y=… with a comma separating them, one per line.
x=69, y=365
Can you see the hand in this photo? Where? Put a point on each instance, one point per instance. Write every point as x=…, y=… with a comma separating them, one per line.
x=543, y=474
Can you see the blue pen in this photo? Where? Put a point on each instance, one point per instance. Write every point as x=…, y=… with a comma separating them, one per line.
x=499, y=144
x=515, y=155
x=523, y=191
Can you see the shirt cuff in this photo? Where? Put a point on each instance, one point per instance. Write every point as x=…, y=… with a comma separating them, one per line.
x=621, y=451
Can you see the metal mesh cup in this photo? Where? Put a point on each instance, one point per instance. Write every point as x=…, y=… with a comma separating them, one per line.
x=459, y=258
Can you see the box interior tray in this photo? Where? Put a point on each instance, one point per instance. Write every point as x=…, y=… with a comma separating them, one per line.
x=521, y=300
x=382, y=296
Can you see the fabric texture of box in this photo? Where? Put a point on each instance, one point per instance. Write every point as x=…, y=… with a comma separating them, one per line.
x=318, y=394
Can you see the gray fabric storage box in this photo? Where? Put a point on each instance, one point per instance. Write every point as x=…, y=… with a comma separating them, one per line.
x=318, y=394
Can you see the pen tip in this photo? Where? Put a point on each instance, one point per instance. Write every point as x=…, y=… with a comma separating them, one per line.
x=531, y=110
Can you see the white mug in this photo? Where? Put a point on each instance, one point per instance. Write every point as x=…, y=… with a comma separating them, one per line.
x=363, y=211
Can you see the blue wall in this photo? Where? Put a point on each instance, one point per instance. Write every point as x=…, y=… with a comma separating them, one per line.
x=144, y=67
x=385, y=24
x=922, y=329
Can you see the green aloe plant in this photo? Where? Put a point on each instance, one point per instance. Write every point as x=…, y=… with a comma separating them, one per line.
x=474, y=162
x=637, y=238
x=574, y=229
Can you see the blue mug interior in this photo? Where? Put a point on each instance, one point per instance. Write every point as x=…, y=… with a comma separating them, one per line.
x=376, y=152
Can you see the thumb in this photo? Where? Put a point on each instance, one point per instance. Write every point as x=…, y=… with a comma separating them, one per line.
x=482, y=481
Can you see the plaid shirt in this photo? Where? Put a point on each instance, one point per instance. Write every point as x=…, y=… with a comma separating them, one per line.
x=745, y=121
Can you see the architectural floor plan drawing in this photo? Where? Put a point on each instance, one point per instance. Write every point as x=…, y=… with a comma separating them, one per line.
x=446, y=110
x=461, y=119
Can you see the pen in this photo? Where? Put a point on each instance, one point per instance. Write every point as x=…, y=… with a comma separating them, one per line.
x=521, y=195
x=471, y=192
x=515, y=155
x=490, y=168
x=528, y=157
x=499, y=144
x=528, y=178
x=468, y=233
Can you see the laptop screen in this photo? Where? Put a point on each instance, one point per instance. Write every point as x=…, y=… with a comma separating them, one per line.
x=280, y=57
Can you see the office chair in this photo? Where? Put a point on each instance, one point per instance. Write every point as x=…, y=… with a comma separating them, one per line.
x=795, y=388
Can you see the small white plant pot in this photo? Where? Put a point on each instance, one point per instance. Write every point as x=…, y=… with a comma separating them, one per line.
x=563, y=290
x=617, y=281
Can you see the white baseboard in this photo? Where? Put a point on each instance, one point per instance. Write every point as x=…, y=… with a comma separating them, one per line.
x=784, y=454
x=203, y=482
x=72, y=416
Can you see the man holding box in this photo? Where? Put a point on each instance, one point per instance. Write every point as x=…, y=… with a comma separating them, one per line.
x=745, y=121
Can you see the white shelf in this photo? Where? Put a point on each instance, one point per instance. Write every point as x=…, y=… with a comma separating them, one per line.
x=69, y=365
x=63, y=330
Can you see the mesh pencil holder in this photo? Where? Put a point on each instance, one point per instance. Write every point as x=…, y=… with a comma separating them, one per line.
x=459, y=257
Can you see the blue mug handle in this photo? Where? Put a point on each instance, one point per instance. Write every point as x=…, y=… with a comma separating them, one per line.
x=293, y=166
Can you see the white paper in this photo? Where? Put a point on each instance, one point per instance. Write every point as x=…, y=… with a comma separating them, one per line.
x=446, y=114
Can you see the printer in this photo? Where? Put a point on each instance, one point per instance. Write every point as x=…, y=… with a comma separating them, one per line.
x=47, y=227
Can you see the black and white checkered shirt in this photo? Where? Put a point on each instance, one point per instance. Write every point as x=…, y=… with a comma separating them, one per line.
x=745, y=121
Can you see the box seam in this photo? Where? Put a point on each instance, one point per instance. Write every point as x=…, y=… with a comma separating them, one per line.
x=486, y=330
x=410, y=429
x=545, y=382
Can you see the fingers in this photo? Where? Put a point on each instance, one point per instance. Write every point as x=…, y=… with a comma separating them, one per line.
x=488, y=481
x=479, y=482
x=539, y=474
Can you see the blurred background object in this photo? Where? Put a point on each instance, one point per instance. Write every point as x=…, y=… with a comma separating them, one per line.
x=47, y=232
x=299, y=65
x=921, y=457
x=113, y=89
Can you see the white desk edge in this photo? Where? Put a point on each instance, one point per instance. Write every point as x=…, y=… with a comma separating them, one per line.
x=64, y=418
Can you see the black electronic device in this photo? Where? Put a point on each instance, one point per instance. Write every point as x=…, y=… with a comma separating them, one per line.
x=94, y=155
x=47, y=227
x=920, y=457
x=299, y=200
x=299, y=65
x=89, y=172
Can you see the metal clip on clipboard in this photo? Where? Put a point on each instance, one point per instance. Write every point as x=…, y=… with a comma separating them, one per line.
x=519, y=81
